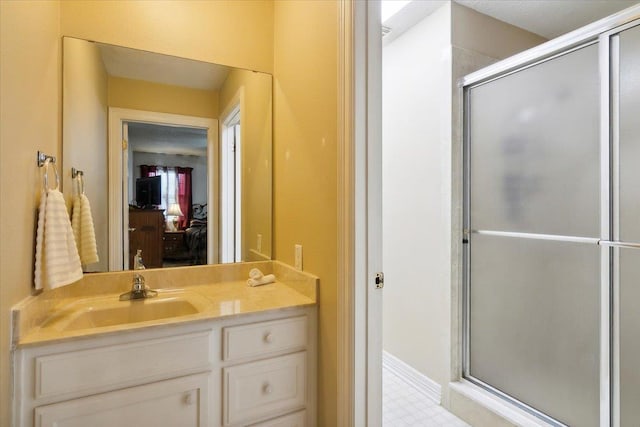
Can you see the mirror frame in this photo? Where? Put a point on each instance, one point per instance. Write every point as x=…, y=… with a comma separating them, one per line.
x=116, y=225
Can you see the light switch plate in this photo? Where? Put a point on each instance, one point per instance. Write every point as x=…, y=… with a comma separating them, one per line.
x=298, y=257
x=259, y=243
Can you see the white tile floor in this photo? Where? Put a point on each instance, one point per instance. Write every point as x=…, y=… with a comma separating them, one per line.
x=405, y=406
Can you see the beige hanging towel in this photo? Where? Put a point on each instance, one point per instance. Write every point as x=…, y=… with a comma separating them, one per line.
x=83, y=230
x=57, y=261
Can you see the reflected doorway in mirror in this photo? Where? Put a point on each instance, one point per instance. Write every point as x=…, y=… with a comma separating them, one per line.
x=164, y=131
x=231, y=183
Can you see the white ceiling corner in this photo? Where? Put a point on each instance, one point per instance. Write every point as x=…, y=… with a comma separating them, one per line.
x=547, y=18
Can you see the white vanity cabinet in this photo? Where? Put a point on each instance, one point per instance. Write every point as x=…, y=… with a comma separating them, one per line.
x=269, y=376
x=247, y=370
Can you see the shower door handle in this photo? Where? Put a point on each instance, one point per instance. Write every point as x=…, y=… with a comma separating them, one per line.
x=611, y=244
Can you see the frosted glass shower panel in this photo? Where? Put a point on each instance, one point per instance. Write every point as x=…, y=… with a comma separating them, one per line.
x=629, y=157
x=629, y=337
x=534, y=147
x=629, y=217
x=534, y=323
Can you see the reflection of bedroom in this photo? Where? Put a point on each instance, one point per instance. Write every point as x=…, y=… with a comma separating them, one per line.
x=173, y=154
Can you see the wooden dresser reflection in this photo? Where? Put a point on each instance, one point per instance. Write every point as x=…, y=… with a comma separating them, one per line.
x=146, y=229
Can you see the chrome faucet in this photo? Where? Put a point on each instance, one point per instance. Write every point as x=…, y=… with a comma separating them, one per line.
x=138, y=290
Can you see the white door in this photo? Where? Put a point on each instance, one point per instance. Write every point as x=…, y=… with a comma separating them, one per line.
x=369, y=280
x=231, y=199
x=375, y=273
x=125, y=197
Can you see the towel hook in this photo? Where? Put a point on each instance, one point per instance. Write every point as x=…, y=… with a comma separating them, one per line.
x=42, y=157
x=79, y=176
x=75, y=172
x=43, y=161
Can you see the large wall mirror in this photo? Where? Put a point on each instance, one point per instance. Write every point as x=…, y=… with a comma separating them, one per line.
x=175, y=156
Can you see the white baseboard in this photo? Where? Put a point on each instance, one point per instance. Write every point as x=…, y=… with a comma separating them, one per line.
x=419, y=381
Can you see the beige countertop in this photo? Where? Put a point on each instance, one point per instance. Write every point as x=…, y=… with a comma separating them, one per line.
x=45, y=318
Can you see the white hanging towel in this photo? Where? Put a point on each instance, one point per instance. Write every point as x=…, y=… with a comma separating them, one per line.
x=57, y=260
x=83, y=231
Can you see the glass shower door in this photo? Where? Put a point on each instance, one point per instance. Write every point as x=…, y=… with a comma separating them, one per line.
x=533, y=212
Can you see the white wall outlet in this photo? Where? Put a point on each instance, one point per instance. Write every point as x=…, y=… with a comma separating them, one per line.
x=297, y=263
x=259, y=243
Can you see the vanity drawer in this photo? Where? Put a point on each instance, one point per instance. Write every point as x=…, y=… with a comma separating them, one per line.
x=292, y=420
x=268, y=387
x=180, y=402
x=106, y=368
x=258, y=339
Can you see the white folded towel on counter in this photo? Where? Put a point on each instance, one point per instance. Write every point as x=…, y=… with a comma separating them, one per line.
x=264, y=280
x=83, y=231
x=257, y=278
x=57, y=261
x=255, y=274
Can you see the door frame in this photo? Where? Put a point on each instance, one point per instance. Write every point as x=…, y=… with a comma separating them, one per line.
x=234, y=108
x=359, y=368
x=117, y=154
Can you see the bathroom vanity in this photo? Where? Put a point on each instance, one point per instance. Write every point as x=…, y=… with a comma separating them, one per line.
x=239, y=356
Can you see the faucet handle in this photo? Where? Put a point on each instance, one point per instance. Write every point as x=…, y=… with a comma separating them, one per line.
x=138, y=264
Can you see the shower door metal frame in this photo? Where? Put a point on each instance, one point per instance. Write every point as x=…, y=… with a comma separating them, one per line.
x=604, y=33
x=610, y=50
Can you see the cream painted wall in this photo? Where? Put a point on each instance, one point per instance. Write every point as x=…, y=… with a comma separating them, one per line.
x=162, y=98
x=234, y=33
x=30, y=121
x=416, y=111
x=84, y=96
x=305, y=158
x=421, y=172
x=257, y=157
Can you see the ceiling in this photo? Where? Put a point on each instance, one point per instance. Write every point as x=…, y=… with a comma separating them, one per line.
x=153, y=138
x=165, y=69
x=547, y=18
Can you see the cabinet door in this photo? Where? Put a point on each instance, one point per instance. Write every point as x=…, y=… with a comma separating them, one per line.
x=178, y=402
x=148, y=230
x=260, y=389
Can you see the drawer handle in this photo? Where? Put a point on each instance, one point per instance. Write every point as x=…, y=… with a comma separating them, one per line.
x=188, y=399
x=268, y=338
x=266, y=388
